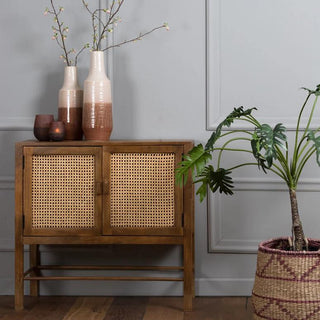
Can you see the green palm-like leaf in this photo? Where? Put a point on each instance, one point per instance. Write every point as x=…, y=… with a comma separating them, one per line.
x=202, y=190
x=212, y=140
x=237, y=113
x=195, y=160
x=255, y=145
x=268, y=139
x=216, y=180
x=316, y=92
x=316, y=141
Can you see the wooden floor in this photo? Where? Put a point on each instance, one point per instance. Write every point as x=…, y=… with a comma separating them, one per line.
x=126, y=308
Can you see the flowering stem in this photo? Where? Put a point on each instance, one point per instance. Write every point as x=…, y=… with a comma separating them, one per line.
x=76, y=57
x=59, y=34
x=112, y=20
x=111, y=17
x=63, y=46
x=93, y=17
x=134, y=39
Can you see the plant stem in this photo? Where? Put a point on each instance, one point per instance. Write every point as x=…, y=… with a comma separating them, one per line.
x=225, y=144
x=303, y=148
x=231, y=149
x=303, y=162
x=298, y=237
x=76, y=57
x=295, y=149
x=310, y=116
x=279, y=174
x=298, y=154
x=249, y=120
x=236, y=131
x=111, y=17
x=61, y=33
x=133, y=39
x=254, y=120
x=243, y=165
x=284, y=164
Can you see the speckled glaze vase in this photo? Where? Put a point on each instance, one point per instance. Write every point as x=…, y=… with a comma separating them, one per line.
x=70, y=104
x=97, y=103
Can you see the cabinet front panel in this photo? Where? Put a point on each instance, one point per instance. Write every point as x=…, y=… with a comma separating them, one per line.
x=142, y=196
x=61, y=195
x=142, y=190
x=62, y=191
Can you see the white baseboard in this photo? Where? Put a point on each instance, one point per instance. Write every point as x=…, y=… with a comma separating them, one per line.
x=204, y=287
x=224, y=287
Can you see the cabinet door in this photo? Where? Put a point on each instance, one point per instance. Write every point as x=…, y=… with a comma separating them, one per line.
x=61, y=190
x=141, y=196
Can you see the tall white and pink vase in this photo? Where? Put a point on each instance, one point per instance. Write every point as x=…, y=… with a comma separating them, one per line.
x=97, y=102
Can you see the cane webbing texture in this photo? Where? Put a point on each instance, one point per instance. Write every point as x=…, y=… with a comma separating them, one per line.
x=63, y=191
x=142, y=190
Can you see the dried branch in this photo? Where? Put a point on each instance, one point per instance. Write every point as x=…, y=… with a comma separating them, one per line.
x=111, y=22
x=60, y=34
x=136, y=38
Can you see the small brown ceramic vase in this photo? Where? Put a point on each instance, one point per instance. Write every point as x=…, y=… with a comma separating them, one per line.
x=41, y=126
x=57, y=131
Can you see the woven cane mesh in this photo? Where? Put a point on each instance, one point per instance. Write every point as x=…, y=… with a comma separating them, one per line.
x=63, y=191
x=142, y=190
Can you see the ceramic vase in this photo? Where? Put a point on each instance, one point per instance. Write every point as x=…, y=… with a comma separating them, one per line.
x=70, y=104
x=97, y=103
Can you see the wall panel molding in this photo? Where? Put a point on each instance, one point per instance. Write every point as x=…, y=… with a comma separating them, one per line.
x=221, y=50
x=217, y=241
x=16, y=123
x=6, y=183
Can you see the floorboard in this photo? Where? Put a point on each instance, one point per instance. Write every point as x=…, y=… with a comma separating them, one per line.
x=126, y=308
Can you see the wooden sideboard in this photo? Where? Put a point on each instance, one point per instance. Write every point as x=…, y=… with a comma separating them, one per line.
x=89, y=192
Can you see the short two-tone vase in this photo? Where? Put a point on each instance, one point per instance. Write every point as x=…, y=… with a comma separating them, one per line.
x=97, y=103
x=70, y=104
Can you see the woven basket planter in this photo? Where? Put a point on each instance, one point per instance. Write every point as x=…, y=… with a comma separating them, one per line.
x=287, y=283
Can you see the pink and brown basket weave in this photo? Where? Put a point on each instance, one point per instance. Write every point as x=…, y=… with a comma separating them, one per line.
x=287, y=283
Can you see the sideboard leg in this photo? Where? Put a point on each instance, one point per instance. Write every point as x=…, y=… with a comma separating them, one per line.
x=19, y=282
x=193, y=268
x=188, y=274
x=34, y=262
x=188, y=239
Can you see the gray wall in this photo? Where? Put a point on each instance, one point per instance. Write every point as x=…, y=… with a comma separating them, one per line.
x=159, y=92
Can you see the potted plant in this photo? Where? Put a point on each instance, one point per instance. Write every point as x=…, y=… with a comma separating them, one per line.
x=287, y=283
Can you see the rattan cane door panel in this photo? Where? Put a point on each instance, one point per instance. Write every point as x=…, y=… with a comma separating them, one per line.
x=60, y=191
x=142, y=197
